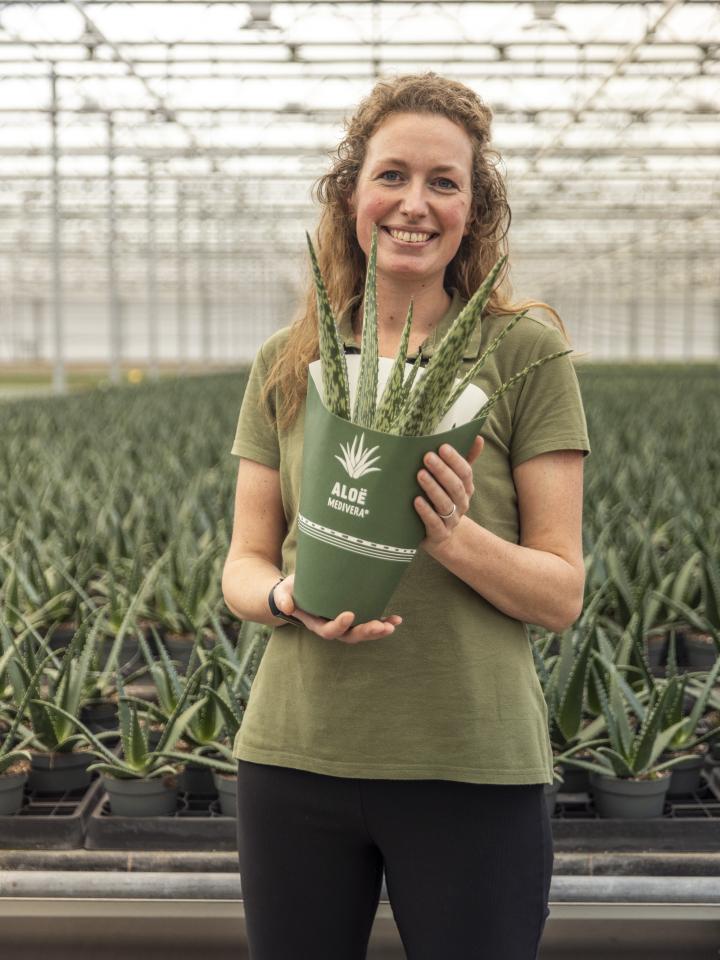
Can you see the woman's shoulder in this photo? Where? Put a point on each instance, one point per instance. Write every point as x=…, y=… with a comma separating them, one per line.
x=527, y=336
x=271, y=347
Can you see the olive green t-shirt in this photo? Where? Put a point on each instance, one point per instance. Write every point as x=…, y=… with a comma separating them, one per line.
x=452, y=694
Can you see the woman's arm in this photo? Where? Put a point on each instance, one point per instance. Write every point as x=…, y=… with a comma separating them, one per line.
x=254, y=559
x=541, y=580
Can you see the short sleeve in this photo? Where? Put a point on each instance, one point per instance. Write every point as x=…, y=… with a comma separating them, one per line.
x=549, y=414
x=256, y=436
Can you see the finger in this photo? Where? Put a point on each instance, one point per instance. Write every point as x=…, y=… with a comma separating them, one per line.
x=439, y=496
x=452, y=471
x=372, y=630
x=433, y=523
x=476, y=449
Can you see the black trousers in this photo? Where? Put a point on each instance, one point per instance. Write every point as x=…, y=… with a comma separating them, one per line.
x=467, y=865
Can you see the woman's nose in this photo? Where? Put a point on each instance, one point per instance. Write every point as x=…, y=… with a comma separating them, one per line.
x=413, y=200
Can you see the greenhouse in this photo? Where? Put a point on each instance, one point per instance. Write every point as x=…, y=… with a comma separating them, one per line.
x=360, y=537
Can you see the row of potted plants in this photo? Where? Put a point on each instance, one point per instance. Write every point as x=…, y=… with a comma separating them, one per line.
x=635, y=737
x=618, y=731
x=48, y=736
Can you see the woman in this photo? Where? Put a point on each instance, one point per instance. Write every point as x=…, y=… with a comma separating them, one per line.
x=423, y=754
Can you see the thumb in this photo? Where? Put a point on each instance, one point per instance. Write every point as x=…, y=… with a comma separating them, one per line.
x=284, y=600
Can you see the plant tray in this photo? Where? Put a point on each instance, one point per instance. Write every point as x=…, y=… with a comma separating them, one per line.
x=689, y=823
x=50, y=821
x=197, y=824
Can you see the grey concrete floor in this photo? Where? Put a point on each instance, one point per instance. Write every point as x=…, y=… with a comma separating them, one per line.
x=217, y=931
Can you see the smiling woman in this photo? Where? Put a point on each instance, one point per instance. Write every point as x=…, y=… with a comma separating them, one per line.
x=430, y=719
x=422, y=216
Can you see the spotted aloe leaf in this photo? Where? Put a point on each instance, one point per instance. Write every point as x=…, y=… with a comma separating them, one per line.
x=475, y=368
x=491, y=401
x=336, y=384
x=366, y=397
x=423, y=409
x=394, y=392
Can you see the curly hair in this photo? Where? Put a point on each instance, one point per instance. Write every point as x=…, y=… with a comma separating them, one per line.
x=341, y=259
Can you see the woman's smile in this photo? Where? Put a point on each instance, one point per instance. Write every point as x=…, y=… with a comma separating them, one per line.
x=410, y=238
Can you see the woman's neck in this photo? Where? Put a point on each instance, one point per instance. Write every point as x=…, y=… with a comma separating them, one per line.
x=430, y=304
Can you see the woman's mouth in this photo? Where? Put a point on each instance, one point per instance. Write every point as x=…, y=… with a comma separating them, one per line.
x=410, y=238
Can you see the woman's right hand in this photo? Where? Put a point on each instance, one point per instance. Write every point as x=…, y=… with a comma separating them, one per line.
x=339, y=628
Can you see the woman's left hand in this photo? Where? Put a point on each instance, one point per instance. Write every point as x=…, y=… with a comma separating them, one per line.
x=446, y=480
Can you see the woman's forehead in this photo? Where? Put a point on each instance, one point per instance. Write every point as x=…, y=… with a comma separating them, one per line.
x=432, y=139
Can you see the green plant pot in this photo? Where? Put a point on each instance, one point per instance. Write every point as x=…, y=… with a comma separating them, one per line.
x=142, y=797
x=12, y=786
x=226, y=786
x=358, y=529
x=629, y=799
x=60, y=772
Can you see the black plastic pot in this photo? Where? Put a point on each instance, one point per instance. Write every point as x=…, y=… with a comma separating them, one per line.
x=197, y=780
x=61, y=635
x=142, y=796
x=700, y=650
x=60, y=772
x=575, y=779
x=100, y=715
x=629, y=799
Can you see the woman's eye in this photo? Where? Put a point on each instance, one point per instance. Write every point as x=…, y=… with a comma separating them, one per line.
x=442, y=180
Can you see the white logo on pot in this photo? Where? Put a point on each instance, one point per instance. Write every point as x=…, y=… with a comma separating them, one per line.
x=356, y=460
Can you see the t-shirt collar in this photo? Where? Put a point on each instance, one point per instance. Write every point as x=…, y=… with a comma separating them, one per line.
x=433, y=340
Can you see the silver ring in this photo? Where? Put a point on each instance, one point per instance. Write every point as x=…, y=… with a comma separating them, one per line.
x=446, y=516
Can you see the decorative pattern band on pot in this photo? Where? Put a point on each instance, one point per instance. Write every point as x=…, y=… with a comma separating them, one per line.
x=358, y=529
x=343, y=541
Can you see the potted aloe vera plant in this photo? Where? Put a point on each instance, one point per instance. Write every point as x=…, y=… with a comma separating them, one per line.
x=139, y=782
x=369, y=421
x=15, y=760
x=687, y=742
x=626, y=778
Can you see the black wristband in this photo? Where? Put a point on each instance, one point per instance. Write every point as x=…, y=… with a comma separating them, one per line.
x=275, y=610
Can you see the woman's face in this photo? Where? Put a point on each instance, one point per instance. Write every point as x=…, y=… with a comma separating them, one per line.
x=417, y=178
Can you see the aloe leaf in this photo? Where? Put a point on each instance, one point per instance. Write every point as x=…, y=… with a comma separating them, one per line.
x=427, y=400
x=336, y=385
x=393, y=393
x=479, y=363
x=366, y=396
x=490, y=403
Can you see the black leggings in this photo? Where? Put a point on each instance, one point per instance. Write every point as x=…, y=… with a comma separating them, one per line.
x=467, y=865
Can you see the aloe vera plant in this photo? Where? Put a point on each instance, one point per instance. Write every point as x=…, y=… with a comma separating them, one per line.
x=409, y=406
